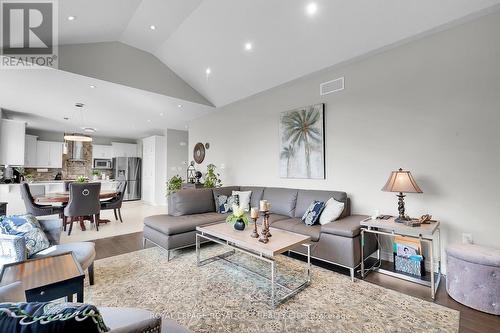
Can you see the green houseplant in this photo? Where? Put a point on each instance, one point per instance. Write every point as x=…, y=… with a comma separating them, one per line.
x=238, y=218
x=174, y=184
x=212, y=179
x=96, y=174
x=81, y=179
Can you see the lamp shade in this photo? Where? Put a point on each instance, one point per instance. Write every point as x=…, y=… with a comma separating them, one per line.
x=401, y=181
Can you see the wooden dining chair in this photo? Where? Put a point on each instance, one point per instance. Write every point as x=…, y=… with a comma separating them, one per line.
x=83, y=203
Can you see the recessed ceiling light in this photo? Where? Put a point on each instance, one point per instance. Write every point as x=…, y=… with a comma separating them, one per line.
x=149, y=120
x=71, y=18
x=92, y=86
x=180, y=105
x=311, y=8
x=152, y=27
x=162, y=114
x=208, y=71
x=248, y=46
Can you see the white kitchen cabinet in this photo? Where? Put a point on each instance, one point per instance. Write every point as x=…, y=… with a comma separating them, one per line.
x=56, y=152
x=12, y=138
x=43, y=154
x=30, y=150
x=102, y=151
x=124, y=149
x=49, y=154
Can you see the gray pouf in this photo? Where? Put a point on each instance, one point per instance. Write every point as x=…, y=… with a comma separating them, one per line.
x=473, y=276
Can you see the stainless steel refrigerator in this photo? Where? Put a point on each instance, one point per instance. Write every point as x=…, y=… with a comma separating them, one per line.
x=129, y=169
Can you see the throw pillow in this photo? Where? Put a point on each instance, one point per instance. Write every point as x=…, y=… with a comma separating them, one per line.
x=26, y=226
x=50, y=317
x=244, y=197
x=333, y=209
x=313, y=212
x=225, y=203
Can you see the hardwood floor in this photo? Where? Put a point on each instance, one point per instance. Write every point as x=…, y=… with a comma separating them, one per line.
x=470, y=320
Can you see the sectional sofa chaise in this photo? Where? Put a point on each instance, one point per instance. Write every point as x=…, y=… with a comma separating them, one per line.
x=336, y=242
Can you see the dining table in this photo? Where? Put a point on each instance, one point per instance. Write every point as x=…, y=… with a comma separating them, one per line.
x=63, y=198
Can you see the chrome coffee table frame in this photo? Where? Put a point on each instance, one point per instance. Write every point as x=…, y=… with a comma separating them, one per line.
x=259, y=255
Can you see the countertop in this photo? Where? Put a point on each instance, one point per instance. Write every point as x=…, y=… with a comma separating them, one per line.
x=48, y=182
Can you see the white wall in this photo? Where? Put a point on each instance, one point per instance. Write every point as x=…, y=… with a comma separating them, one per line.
x=431, y=106
x=177, y=154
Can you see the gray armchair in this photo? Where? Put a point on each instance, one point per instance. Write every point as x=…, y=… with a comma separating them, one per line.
x=13, y=248
x=119, y=320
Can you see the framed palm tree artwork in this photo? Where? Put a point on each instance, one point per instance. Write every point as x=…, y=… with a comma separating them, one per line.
x=302, y=148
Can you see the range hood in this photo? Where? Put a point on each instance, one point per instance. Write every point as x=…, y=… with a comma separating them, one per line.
x=76, y=151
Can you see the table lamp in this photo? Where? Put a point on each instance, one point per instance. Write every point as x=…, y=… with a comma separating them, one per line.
x=402, y=182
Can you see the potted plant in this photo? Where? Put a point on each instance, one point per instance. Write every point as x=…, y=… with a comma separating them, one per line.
x=81, y=179
x=212, y=179
x=29, y=177
x=96, y=174
x=174, y=184
x=238, y=218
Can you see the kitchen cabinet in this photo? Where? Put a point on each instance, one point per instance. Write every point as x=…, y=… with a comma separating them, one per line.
x=102, y=151
x=30, y=146
x=12, y=138
x=124, y=149
x=49, y=154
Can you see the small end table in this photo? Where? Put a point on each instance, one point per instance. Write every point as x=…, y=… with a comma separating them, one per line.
x=48, y=278
x=426, y=233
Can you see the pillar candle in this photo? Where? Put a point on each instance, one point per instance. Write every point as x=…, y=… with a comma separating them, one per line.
x=254, y=213
x=263, y=205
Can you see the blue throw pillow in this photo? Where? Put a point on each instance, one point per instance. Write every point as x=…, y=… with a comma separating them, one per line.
x=312, y=213
x=26, y=226
x=225, y=203
x=49, y=317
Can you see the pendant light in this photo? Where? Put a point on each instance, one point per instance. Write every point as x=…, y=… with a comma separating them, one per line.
x=78, y=136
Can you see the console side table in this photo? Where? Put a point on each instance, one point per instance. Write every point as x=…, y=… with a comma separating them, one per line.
x=426, y=233
x=47, y=278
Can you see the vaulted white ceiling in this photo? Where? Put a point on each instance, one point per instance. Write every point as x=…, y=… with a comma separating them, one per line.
x=192, y=35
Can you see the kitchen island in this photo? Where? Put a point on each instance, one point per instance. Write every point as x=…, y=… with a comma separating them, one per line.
x=11, y=193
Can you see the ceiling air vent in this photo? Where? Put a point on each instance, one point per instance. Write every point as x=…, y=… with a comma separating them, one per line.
x=331, y=86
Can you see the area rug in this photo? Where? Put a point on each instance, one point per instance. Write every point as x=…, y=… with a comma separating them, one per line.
x=220, y=297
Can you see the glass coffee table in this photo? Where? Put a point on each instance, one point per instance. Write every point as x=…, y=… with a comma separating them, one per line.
x=241, y=241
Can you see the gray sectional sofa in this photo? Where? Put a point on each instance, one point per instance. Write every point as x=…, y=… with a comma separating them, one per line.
x=337, y=242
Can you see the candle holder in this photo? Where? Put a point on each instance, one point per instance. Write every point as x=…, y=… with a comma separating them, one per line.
x=254, y=234
x=265, y=234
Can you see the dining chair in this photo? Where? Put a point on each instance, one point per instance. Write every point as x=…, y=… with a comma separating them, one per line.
x=34, y=208
x=66, y=184
x=83, y=202
x=116, y=203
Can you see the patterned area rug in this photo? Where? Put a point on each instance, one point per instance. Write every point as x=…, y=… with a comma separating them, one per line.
x=220, y=297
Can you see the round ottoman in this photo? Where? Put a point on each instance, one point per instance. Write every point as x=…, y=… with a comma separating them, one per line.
x=473, y=276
